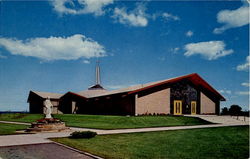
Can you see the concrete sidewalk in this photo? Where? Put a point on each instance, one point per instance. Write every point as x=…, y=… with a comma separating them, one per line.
x=223, y=119
x=10, y=140
x=13, y=122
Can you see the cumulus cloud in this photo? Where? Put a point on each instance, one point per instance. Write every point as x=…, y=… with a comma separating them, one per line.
x=232, y=18
x=80, y=6
x=245, y=66
x=225, y=91
x=3, y=57
x=245, y=84
x=210, y=50
x=136, y=17
x=86, y=61
x=120, y=86
x=243, y=93
x=161, y=58
x=55, y=48
x=168, y=16
x=175, y=50
x=116, y=86
x=189, y=33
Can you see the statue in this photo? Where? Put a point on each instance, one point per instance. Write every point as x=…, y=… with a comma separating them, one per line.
x=47, y=124
x=48, y=108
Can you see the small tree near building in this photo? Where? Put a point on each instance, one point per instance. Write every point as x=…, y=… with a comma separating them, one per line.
x=224, y=111
x=235, y=110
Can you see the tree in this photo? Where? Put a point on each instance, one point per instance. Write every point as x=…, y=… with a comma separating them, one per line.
x=235, y=110
x=224, y=111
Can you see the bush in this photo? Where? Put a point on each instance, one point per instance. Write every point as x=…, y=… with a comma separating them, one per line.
x=83, y=134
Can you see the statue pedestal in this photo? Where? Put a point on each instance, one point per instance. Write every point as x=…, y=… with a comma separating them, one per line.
x=47, y=125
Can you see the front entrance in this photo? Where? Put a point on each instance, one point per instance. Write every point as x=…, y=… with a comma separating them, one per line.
x=193, y=107
x=177, y=107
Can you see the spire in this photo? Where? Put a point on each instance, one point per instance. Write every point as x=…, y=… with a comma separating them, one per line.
x=97, y=85
x=97, y=73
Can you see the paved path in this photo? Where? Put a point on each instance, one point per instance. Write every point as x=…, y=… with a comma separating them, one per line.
x=223, y=119
x=10, y=140
x=13, y=122
x=19, y=144
x=41, y=151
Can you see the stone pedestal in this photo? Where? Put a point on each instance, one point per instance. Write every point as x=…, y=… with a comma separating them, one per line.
x=47, y=125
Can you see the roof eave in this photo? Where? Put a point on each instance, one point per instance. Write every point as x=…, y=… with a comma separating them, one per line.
x=74, y=94
x=176, y=80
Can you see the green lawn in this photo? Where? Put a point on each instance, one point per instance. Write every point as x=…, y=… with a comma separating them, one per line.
x=110, y=122
x=123, y=122
x=21, y=117
x=7, y=129
x=208, y=143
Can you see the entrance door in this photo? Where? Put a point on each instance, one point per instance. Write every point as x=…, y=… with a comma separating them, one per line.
x=177, y=107
x=193, y=107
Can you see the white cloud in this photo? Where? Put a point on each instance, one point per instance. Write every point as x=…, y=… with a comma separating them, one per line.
x=86, y=6
x=243, y=93
x=116, y=86
x=137, y=17
x=225, y=91
x=245, y=66
x=2, y=56
x=86, y=61
x=189, y=33
x=55, y=48
x=174, y=50
x=232, y=18
x=168, y=16
x=161, y=58
x=210, y=50
x=245, y=84
x=120, y=86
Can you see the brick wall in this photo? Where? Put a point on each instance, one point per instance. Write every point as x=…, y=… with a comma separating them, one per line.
x=207, y=105
x=157, y=102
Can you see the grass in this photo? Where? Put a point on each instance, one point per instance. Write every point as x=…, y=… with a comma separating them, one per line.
x=209, y=143
x=21, y=117
x=123, y=122
x=110, y=122
x=8, y=129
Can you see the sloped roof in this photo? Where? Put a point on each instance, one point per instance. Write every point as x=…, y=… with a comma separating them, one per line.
x=48, y=94
x=124, y=90
x=91, y=93
x=194, y=78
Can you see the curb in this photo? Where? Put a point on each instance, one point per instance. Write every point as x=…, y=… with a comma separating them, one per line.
x=79, y=151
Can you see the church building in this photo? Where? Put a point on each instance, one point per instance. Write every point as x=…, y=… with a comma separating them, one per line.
x=188, y=94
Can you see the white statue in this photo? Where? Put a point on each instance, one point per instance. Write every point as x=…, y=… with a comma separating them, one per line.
x=48, y=108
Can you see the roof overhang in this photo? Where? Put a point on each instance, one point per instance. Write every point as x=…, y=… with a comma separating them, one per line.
x=194, y=78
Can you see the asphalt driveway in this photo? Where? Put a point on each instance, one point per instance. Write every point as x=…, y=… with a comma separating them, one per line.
x=40, y=151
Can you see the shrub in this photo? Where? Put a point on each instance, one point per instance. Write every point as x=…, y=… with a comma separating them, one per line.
x=83, y=134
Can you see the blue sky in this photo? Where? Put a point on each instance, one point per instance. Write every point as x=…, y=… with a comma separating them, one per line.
x=52, y=46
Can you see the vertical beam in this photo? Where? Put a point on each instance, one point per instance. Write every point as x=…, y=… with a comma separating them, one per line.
x=136, y=99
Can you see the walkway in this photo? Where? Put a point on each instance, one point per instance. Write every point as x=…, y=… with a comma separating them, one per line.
x=10, y=140
x=41, y=151
x=225, y=119
x=23, y=145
